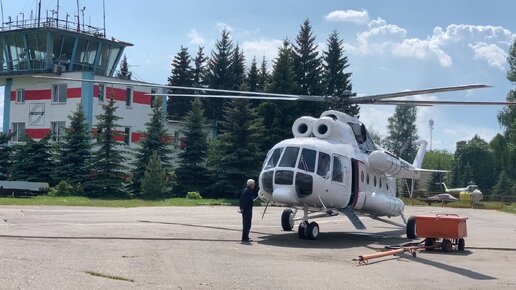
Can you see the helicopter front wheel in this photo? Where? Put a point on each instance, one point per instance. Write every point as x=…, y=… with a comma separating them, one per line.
x=287, y=220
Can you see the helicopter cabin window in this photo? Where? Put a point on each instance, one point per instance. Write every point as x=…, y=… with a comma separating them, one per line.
x=289, y=157
x=364, y=140
x=285, y=177
x=274, y=158
x=362, y=176
x=374, y=181
x=338, y=169
x=380, y=180
x=367, y=181
x=307, y=160
x=323, y=164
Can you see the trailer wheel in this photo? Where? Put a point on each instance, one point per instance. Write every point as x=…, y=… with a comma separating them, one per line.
x=411, y=228
x=446, y=245
x=461, y=244
x=429, y=244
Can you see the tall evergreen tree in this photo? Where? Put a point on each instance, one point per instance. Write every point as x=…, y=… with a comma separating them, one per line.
x=253, y=77
x=278, y=116
x=74, y=151
x=402, y=133
x=154, y=180
x=33, y=161
x=238, y=68
x=182, y=76
x=156, y=139
x=199, y=72
x=191, y=173
x=108, y=171
x=264, y=77
x=336, y=81
x=124, y=72
x=5, y=156
x=235, y=155
x=507, y=117
x=308, y=69
x=220, y=74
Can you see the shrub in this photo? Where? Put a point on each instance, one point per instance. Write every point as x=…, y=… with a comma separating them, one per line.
x=193, y=195
x=66, y=189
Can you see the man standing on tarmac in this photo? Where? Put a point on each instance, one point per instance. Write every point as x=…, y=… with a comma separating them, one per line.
x=246, y=208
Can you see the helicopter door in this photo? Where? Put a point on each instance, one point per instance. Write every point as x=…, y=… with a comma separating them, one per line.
x=341, y=178
x=354, y=182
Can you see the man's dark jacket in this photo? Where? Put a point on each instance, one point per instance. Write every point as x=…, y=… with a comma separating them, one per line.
x=246, y=200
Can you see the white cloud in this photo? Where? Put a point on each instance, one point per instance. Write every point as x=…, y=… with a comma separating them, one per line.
x=489, y=43
x=354, y=16
x=260, y=48
x=221, y=26
x=492, y=53
x=196, y=38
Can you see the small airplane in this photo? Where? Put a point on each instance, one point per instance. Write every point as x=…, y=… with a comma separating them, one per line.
x=331, y=166
x=443, y=198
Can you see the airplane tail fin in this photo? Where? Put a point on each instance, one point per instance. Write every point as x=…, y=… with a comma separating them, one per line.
x=418, y=162
x=445, y=187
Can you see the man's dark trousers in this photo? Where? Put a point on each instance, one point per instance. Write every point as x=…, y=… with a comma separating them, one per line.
x=247, y=216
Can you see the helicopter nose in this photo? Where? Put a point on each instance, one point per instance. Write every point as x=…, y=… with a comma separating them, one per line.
x=285, y=194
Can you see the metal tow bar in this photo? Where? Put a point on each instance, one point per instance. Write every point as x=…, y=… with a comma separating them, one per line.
x=364, y=259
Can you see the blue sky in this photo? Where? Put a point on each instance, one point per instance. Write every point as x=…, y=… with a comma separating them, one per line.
x=391, y=45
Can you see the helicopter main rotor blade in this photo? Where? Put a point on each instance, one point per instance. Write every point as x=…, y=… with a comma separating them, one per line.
x=432, y=103
x=372, y=98
x=227, y=97
x=153, y=85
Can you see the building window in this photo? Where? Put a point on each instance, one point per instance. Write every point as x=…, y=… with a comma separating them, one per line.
x=127, y=136
x=20, y=96
x=59, y=93
x=102, y=92
x=58, y=130
x=128, y=96
x=18, y=132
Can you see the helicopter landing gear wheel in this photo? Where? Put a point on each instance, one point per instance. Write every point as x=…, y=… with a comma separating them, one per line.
x=287, y=220
x=313, y=231
x=302, y=230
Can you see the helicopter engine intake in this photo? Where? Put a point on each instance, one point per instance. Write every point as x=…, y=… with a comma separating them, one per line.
x=328, y=128
x=303, y=126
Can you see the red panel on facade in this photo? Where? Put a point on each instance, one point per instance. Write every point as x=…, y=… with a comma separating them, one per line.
x=74, y=93
x=136, y=137
x=13, y=96
x=141, y=98
x=96, y=91
x=34, y=95
x=37, y=133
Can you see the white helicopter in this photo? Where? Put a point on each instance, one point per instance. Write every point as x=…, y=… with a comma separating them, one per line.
x=469, y=188
x=331, y=166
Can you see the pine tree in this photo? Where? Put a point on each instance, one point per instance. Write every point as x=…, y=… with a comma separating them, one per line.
x=308, y=69
x=235, y=155
x=124, y=72
x=74, y=152
x=253, y=77
x=108, y=171
x=32, y=161
x=264, y=77
x=182, y=76
x=156, y=139
x=503, y=185
x=336, y=82
x=154, y=180
x=238, y=68
x=5, y=156
x=191, y=173
x=402, y=134
x=199, y=72
x=278, y=116
x=507, y=117
x=219, y=75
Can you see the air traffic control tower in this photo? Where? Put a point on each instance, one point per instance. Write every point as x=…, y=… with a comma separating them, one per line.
x=34, y=107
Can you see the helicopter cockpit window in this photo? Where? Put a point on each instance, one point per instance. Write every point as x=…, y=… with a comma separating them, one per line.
x=274, y=158
x=323, y=164
x=289, y=157
x=364, y=140
x=337, y=174
x=307, y=160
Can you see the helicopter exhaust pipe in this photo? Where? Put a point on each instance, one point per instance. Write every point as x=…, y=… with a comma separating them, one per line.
x=303, y=126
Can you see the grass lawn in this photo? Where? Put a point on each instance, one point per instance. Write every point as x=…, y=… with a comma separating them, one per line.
x=83, y=201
